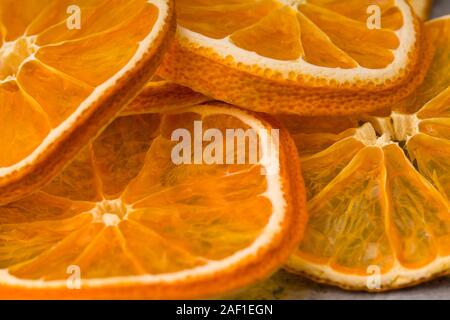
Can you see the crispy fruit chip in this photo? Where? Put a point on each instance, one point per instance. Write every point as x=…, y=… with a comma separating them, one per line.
x=379, y=194
x=66, y=69
x=311, y=57
x=124, y=221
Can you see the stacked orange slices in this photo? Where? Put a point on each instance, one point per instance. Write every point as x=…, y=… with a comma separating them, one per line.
x=63, y=77
x=379, y=194
x=99, y=197
x=123, y=221
x=306, y=57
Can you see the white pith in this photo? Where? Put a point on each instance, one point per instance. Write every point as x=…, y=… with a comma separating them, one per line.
x=101, y=212
x=55, y=134
x=397, y=127
x=292, y=3
x=109, y=212
x=225, y=48
x=398, y=276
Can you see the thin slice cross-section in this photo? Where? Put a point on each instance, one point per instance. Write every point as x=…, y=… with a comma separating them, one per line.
x=127, y=220
x=66, y=69
x=379, y=194
x=304, y=57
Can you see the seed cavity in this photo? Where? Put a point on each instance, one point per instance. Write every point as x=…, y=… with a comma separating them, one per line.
x=110, y=212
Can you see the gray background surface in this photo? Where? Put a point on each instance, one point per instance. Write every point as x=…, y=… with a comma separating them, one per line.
x=441, y=8
x=286, y=286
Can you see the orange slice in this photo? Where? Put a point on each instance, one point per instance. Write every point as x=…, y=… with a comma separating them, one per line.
x=126, y=222
x=379, y=194
x=160, y=95
x=422, y=8
x=306, y=57
x=66, y=69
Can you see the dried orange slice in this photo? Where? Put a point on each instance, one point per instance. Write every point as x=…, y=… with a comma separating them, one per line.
x=66, y=69
x=307, y=57
x=160, y=95
x=379, y=194
x=135, y=225
x=422, y=8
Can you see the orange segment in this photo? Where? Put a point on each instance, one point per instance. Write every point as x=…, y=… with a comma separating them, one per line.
x=433, y=159
x=147, y=180
x=309, y=144
x=51, y=24
x=351, y=235
x=41, y=207
x=136, y=224
x=24, y=126
x=212, y=234
x=57, y=257
x=319, y=48
x=357, y=10
x=95, y=260
x=218, y=20
x=68, y=91
x=439, y=128
x=84, y=58
x=438, y=107
x=415, y=229
x=379, y=193
x=275, y=36
x=162, y=256
x=120, y=152
x=348, y=35
x=438, y=78
x=37, y=253
x=15, y=20
x=321, y=168
x=55, y=13
x=70, y=66
x=79, y=173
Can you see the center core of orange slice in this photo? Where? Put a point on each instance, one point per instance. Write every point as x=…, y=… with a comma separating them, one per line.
x=13, y=53
x=293, y=3
x=382, y=131
x=404, y=126
x=110, y=212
